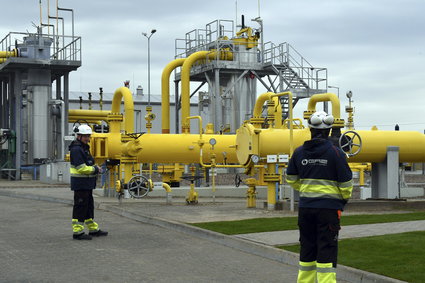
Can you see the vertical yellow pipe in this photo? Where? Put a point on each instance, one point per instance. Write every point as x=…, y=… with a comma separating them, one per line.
x=271, y=191
x=291, y=128
x=165, y=93
x=123, y=93
x=185, y=78
x=361, y=177
x=278, y=114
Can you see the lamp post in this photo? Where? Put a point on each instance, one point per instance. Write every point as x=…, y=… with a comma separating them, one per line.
x=149, y=63
x=329, y=86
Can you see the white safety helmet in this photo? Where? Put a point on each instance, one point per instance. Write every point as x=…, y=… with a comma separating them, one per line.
x=83, y=130
x=320, y=120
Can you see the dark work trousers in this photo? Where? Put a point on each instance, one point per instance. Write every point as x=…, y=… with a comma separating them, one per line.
x=83, y=205
x=319, y=228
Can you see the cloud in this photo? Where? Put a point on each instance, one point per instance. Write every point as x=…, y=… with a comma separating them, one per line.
x=374, y=48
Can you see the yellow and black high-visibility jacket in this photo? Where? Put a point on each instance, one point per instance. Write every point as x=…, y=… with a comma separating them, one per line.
x=83, y=172
x=320, y=172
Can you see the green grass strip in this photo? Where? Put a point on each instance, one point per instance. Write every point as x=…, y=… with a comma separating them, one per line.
x=400, y=256
x=257, y=225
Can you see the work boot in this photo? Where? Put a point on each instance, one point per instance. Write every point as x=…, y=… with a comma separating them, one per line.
x=82, y=236
x=98, y=233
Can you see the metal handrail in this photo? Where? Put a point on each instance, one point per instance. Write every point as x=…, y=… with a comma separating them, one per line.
x=70, y=51
x=286, y=54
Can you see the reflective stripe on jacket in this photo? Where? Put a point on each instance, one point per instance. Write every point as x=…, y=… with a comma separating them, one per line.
x=320, y=172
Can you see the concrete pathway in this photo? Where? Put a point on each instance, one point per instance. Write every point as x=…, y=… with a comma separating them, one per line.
x=353, y=231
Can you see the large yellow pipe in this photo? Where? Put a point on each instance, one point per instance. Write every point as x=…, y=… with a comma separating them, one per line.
x=181, y=148
x=119, y=95
x=185, y=79
x=322, y=97
x=374, y=149
x=165, y=93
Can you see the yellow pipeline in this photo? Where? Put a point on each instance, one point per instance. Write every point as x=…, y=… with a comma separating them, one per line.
x=179, y=148
x=88, y=113
x=263, y=142
x=185, y=79
x=123, y=93
x=165, y=93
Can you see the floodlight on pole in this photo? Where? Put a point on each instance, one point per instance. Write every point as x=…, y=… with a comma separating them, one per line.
x=149, y=62
x=329, y=86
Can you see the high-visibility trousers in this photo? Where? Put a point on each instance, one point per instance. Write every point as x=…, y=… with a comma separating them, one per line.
x=319, y=230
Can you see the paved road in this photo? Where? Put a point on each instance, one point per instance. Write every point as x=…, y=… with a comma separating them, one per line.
x=36, y=246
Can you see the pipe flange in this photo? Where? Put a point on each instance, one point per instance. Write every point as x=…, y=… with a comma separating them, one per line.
x=271, y=178
x=115, y=117
x=307, y=114
x=338, y=123
x=256, y=121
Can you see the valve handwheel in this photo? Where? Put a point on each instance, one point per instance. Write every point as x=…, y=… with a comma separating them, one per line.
x=351, y=143
x=138, y=186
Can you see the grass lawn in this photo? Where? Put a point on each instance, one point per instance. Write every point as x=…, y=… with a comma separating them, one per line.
x=400, y=256
x=290, y=223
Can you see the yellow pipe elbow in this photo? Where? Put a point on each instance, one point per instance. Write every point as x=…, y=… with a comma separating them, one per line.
x=322, y=97
x=260, y=102
x=166, y=187
x=185, y=78
x=165, y=93
x=119, y=95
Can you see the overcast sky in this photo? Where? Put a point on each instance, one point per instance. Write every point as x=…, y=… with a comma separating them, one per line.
x=376, y=49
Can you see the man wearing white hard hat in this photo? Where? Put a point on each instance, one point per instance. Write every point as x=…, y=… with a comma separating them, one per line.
x=320, y=172
x=83, y=182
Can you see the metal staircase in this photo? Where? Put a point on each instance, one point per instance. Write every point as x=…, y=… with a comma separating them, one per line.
x=295, y=73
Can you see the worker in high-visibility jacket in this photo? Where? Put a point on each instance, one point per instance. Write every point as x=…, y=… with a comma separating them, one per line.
x=320, y=172
x=83, y=181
